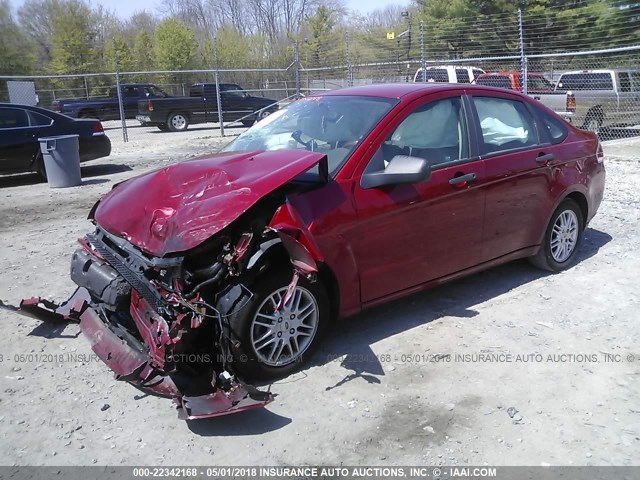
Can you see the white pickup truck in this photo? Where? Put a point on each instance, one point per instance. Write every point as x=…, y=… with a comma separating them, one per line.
x=607, y=97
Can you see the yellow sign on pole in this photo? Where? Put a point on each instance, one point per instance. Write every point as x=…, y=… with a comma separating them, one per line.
x=391, y=35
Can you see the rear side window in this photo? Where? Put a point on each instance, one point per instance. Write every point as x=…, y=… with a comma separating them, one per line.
x=505, y=124
x=556, y=128
x=635, y=81
x=39, y=120
x=585, y=81
x=625, y=81
x=495, y=81
x=438, y=75
x=13, y=118
x=477, y=73
x=462, y=76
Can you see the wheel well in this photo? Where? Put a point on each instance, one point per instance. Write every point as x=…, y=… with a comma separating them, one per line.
x=277, y=255
x=328, y=279
x=185, y=115
x=581, y=200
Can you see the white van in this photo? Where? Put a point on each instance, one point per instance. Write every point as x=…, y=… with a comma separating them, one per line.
x=448, y=74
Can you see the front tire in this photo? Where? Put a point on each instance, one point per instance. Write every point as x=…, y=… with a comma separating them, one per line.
x=562, y=239
x=274, y=344
x=178, y=122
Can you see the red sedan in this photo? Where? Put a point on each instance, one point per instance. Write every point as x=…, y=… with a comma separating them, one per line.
x=231, y=266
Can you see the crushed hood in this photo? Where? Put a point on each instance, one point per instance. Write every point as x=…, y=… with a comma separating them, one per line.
x=178, y=207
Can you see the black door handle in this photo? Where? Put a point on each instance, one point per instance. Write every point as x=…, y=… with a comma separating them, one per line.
x=462, y=179
x=543, y=158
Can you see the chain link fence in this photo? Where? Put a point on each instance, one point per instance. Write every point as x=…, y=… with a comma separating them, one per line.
x=526, y=47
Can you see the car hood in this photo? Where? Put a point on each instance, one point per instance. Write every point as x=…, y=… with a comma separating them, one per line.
x=178, y=207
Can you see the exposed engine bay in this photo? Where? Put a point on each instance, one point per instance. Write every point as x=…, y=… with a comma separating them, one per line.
x=161, y=322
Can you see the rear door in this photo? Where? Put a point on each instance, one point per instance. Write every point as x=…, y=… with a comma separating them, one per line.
x=516, y=157
x=18, y=143
x=411, y=234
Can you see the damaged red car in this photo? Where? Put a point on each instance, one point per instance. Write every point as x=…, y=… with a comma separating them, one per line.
x=229, y=267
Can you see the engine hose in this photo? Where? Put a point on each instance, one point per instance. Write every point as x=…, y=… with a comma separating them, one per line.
x=215, y=279
x=208, y=271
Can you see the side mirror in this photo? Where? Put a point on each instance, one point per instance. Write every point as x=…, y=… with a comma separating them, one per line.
x=402, y=169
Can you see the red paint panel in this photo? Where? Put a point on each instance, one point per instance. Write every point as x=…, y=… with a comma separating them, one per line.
x=178, y=207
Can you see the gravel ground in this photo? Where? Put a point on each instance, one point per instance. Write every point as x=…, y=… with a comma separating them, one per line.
x=561, y=387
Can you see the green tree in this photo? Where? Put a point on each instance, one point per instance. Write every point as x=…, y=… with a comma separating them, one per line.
x=16, y=55
x=126, y=61
x=175, y=45
x=73, y=40
x=143, y=53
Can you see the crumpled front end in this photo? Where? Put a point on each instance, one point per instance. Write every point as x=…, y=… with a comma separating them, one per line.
x=174, y=257
x=149, y=320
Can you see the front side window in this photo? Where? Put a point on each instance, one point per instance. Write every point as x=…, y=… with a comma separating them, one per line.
x=333, y=124
x=154, y=92
x=435, y=132
x=505, y=124
x=539, y=84
x=13, y=118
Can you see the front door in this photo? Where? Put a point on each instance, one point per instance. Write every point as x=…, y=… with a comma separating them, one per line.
x=410, y=234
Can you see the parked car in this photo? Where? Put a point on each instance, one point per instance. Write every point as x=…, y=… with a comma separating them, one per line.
x=232, y=265
x=536, y=82
x=606, y=97
x=108, y=108
x=21, y=126
x=447, y=74
x=201, y=106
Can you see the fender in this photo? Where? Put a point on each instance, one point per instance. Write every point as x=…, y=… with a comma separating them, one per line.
x=296, y=238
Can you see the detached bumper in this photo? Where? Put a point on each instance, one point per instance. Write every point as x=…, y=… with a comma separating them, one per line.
x=133, y=365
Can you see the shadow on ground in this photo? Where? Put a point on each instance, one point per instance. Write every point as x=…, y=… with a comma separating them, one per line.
x=251, y=422
x=351, y=339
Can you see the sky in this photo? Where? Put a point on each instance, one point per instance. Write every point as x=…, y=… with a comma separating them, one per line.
x=124, y=8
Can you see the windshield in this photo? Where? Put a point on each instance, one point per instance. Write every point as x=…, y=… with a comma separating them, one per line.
x=334, y=125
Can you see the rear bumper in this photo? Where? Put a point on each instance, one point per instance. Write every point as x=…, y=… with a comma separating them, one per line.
x=95, y=147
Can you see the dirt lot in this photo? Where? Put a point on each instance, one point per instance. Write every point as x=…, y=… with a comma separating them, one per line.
x=377, y=392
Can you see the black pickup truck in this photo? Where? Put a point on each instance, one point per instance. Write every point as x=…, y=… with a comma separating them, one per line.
x=107, y=108
x=176, y=113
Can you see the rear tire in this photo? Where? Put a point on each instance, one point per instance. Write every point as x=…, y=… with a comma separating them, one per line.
x=178, y=122
x=300, y=323
x=40, y=166
x=563, y=238
x=163, y=128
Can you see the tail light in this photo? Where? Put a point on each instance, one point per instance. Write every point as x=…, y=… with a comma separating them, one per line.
x=150, y=105
x=98, y=129
x=600, y=153
x=571, y=102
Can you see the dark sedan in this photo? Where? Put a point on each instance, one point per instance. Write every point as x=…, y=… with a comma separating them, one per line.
x=21, y=126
